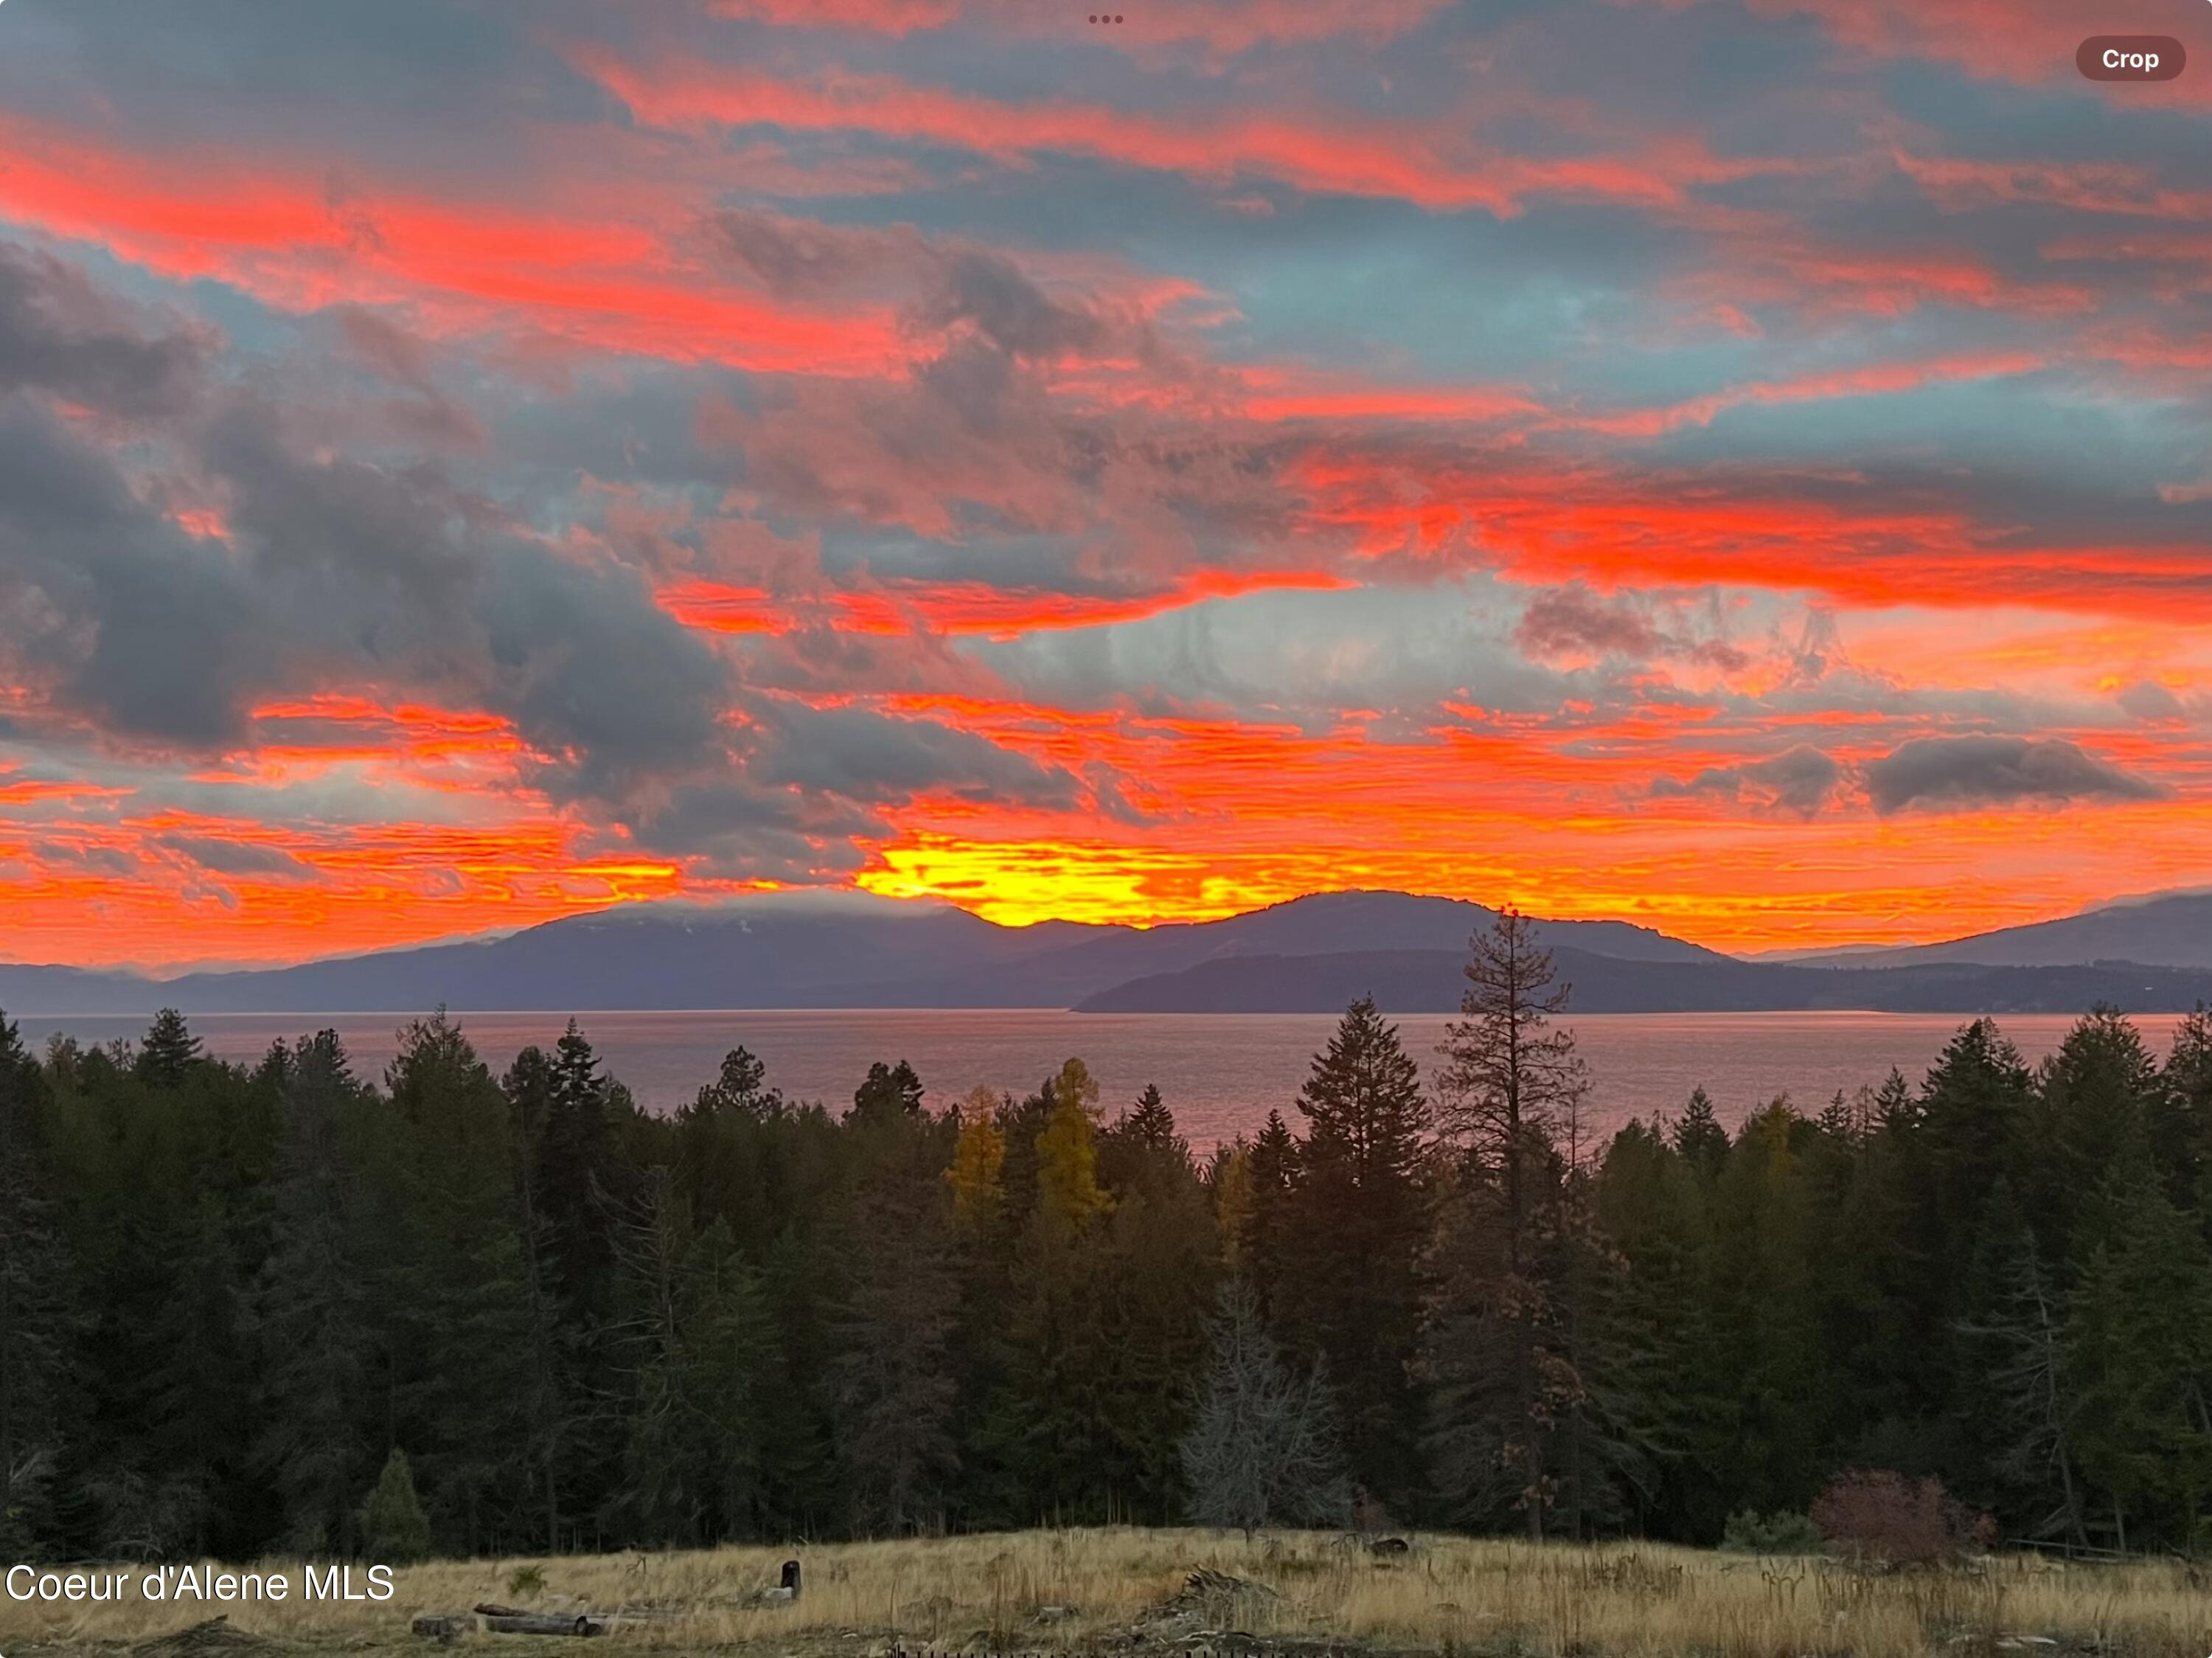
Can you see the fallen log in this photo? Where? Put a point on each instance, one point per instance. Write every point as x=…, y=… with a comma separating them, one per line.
x=535, y=1622
x=496, y=1619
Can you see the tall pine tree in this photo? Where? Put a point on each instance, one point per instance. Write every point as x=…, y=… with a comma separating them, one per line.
x=39, y=1322
x=312, y=1317
x=1352, y=1285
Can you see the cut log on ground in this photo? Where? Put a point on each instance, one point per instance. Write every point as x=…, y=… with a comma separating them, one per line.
x=532, y=1623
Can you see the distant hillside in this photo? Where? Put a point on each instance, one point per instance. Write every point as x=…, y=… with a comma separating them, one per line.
x=1429, y=981
x=2173, y=930
x=807, y=950
x=850, y=950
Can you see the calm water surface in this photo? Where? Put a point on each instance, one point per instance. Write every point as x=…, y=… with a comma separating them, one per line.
x=1222, y=1073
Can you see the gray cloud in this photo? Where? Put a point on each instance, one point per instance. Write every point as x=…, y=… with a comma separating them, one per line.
x=120, y=614
x=231, y=857
x=946, y=283
x=877, y=759
x=381, y=348
x=338, y=571
x=99, y=860
x=1802, y=780
x=588, y=666
x=1572, y=620
x=59, y=334
x=742, y=828
x=973, y=448
x=1304, y=657
x=332, y=571
x=1568, y=620
x=1013, y=313
x=2151, y=702
x=796, y=258
x=1956, y=771
x=398, y=573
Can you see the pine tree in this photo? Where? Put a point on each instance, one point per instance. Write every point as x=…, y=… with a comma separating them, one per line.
x=199, y=1388
x=692, y=1344
x=2139, y=1353
x=576, y=1157
x=1162, y=1265
x=1511, y=1082
x=311, y=1317
x=1653, y=1206
x=1262, y=1448
x=731, y=1144
x=1615, y=1420
x=1044, y=1430
x=741, y=1088
x=1972, y=1116
x=39, y=1323
x=659, y=1498
x=2094, y=1095
x=1882, y=1317
x=893, y=1378
x=891, y=1091
x=1896, y=1107
x=169, y=1052
x=1699, y=1137
x=455, y=1285
x=1766, y=1323
x=586, y=1183
x=2181, y=1125
x=2016, y=1405
x=1150, y=1122
x=1351, y=1283
x=1904, y=1200
x=1265, y=1243
x=1836, y=1122
x=731, y=1364
x=1042, y=1433
x=1499, y=1353
x=799, y=1486
x=393, y=1527
x=550, y=1401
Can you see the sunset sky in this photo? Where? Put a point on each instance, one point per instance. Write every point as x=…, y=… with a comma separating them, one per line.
x=1744, y=467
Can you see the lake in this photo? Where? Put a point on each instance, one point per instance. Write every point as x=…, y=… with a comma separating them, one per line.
x=1221, y=1073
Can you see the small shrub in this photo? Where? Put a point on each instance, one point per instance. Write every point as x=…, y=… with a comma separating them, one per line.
x=1875, y=1516
x=1779, y=1532
x=525, y=1581
x=392, y=1523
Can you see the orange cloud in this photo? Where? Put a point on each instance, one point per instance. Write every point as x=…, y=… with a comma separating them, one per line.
x=971, y=607
x=460, y=267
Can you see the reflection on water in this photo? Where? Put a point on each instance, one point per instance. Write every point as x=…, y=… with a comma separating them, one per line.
x=1222, y=1073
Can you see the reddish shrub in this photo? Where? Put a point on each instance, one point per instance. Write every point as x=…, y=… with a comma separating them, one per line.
x=1875, y=1516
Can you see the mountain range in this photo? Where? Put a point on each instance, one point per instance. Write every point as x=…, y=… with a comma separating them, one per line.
x=851, y=950
x=2169, y=930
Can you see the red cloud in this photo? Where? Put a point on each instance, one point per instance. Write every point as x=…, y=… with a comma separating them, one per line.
x=1438, y=166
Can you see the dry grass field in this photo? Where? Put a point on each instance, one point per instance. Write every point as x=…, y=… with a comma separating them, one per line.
x=1128, y=1590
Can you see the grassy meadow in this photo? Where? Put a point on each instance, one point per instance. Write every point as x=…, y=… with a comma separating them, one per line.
x=1126, y=1589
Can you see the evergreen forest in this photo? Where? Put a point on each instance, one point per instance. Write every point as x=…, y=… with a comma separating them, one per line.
x=229, y=1294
